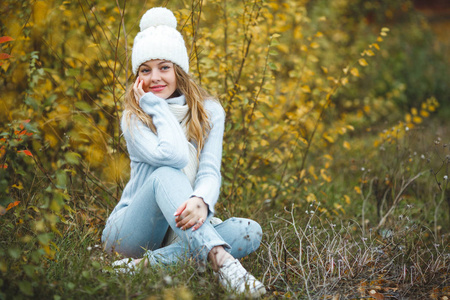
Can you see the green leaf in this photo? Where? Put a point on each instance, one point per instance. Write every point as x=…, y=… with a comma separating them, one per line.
x=72, y=158
x=14, y=252
x=44, y=238
x=70, y=285
x=83, y=106
x=32, y=102
x=73, y=72
x=61, y=179
x=87, y=85
x=29, y=270
x=86, y=274
x=26, y=288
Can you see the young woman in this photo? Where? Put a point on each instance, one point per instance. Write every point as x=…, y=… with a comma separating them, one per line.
x=174, y=131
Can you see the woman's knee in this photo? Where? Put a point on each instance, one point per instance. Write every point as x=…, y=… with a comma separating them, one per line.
x=251, y=230
x=165, y=172
x=166, y=175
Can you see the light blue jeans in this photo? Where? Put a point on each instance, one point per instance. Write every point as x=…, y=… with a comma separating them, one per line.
x=140, y=227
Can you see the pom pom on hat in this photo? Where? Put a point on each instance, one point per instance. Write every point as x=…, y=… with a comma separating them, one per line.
x=159, y=39
x=158, y=16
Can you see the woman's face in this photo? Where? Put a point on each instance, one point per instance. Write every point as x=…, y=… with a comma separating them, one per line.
x=159, y=77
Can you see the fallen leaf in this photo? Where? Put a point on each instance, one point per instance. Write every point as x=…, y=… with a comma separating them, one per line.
x=11, y=205
x=5, y=39
x=4, y=56
x=376, y=295
x=26, y=152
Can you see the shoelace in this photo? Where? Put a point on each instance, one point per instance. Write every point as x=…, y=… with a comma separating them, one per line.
x=240, y=274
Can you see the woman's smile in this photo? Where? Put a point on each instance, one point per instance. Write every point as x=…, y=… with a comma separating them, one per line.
x=157, y=88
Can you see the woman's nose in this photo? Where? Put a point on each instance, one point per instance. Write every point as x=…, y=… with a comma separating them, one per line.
x=155, y=76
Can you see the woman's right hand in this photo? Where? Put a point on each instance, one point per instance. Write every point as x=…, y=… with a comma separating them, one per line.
x=138, y=90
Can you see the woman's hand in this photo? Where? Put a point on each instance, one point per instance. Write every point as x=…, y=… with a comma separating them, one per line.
x=192, y=213
x=138, y=90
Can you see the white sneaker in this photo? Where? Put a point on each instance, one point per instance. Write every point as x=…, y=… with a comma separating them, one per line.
x=215, y=221
x=126, y=265
x=236, y=279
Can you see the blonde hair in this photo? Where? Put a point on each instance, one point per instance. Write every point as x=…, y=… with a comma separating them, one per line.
x=198, y=124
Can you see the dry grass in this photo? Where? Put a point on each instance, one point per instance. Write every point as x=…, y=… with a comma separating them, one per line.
x=319, y=259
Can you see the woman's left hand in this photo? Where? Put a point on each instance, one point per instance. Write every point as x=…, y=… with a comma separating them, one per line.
x=138, y=89
x=192, y=213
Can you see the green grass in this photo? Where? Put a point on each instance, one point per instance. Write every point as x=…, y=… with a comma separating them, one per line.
x=309, y=249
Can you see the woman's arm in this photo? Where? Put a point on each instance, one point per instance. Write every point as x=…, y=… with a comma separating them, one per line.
x=166, y=148
x=208, y=180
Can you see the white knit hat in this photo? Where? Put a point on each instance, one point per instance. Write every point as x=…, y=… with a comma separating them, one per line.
x=159, y=39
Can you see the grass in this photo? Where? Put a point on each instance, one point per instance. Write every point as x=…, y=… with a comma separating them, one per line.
x=309, y=250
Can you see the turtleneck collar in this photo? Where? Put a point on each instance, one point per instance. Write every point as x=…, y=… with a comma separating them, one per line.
x=180, y=100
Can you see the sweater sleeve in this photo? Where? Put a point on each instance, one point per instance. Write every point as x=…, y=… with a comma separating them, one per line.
x=166, y=148
x=208, y=179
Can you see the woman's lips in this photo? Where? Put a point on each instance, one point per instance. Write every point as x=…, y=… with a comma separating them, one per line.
x=157, y=88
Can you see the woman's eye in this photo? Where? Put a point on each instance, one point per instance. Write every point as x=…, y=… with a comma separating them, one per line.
x=144, y=70
x=164, y=68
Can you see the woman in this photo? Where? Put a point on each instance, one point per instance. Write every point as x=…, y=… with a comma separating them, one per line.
x=174, y=133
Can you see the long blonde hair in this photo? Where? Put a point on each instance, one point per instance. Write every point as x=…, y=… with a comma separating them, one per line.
x=198, y=123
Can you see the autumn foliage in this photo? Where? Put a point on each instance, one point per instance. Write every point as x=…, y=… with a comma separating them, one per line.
x=329, y=106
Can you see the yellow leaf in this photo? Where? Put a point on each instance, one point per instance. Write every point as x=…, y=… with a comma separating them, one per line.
x=347, y=145
x=328, y=137
x=347, y=199
x=344, y=81
x=354, y=72
x=325, y=70
x=311, y=170
x=19, y=187
x=408, y=118
x=311, y=198
x=417, y=119
x=325, y=175
x=345, y=70
x=385, y=29
x=357, y=190
x=362, y=62
x=379, y=39
x=306, y=89
x=313, y=58
x=302, y=173
x=376, y=46
x=314, y=45
x=328, y=156
x=370, y=52
x=414, y=111
x=424, y=113
x=383, y=34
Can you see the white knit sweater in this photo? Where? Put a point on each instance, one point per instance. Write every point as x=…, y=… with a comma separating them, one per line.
x=149, y=151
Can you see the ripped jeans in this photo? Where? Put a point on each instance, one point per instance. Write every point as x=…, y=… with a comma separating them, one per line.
x=140, y=228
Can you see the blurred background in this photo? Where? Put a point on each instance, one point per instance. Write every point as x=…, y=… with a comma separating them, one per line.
x=342, y=106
